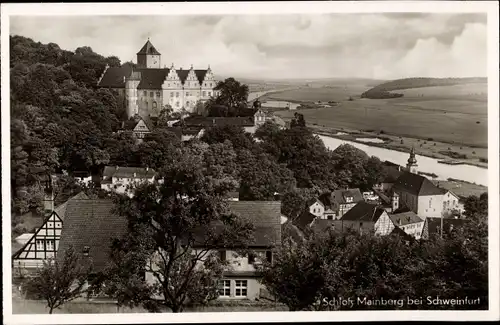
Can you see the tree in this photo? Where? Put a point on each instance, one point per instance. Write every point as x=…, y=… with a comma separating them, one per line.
x=237, y=135
x=293, y=202
x=174, y=228
x=60, y=280
x=298, y=121
x=232, y=93
x=261, y=177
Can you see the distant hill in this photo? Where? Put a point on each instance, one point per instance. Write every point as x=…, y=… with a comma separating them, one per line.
x=384, y=90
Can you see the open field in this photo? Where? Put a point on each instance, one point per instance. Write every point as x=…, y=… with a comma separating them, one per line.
x=449, y=114
x=462, y=188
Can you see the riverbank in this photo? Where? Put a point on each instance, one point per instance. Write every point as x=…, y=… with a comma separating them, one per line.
x=427, y=148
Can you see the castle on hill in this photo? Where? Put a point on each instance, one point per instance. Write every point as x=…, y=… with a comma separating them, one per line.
x=148, y=88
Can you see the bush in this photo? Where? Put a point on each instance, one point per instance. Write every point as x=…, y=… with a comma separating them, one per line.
x=430, y=139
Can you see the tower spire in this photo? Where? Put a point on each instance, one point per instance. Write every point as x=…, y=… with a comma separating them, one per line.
x=412, y=165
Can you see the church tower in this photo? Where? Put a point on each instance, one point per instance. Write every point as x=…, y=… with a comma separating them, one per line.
x=412, y=165
x=148, y=57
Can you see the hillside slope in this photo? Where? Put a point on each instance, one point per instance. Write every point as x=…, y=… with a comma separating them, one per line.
x=384, y=90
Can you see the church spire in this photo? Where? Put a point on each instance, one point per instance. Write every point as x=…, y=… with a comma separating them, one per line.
x=412, y=165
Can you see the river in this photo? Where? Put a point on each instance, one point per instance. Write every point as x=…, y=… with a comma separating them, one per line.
x=467, y=173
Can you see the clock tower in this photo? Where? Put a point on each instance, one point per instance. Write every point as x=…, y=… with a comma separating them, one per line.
x=148, y=57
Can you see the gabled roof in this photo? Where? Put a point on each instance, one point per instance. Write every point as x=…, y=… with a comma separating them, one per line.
x=405, y=218
x=61, y=209
x=399, y=232
x=148, y=48
x=393, y=173
x=432, y=225
x=128, y=172
x=91, y=223
x=364, y=211
x=416, y=185
x=304, y=219
x=150, y=78
x=322, y=225
x=114, y=77
x=266, y=217
x=340, y=197
x=313, y=200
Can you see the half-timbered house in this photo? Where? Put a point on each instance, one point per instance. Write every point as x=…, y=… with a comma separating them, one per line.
x=44, y=243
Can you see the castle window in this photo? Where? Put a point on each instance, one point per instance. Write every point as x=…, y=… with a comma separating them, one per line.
x=187, y=93
x=204, y=93
x=209, y=93
x=187, y=103
x=225, y=288
x=171, y=94
x=145, y=93
x=168, y=85
x=177, y=95
x=158, y=94
x=151, y=94
x=155, y=105
x=177, y=104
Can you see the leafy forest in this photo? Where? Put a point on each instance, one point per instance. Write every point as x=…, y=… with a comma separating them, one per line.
x=61, y=123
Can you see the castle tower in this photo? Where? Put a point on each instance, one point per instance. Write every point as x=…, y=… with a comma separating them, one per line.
x=412, y=165
x=148, y=57
x=131, y=92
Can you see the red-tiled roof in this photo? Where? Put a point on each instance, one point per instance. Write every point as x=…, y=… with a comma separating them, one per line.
x=91, y=223
x=417, y=185
x=364, y=211
x=148, y=48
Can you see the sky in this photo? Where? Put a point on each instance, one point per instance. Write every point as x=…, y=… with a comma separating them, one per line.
x=375, y=46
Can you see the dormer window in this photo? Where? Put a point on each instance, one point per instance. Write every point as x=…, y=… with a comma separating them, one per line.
x=86, y=250
x=348, y=199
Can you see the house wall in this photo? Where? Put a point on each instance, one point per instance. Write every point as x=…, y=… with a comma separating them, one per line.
x=250, y=129
x=343, y=208
x=408, y=200
x=413, y=229
x=121, y=185
x=430, y=206
x=237, y=263
x=384, y=225
x=363, y=226
x=450, y=203
x=42, y=245
x=317, y=209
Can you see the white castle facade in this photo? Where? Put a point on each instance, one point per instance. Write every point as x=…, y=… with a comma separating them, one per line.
x=149, y=88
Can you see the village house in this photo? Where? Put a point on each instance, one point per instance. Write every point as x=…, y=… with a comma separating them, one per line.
x=366, y=217
x=452, y=205
x=240, y=280
x=44, y=243
x=409, y=222
x=124, y=179
x=419, y=195
x=138, y=127
x=149, y=87
x=338, y=202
